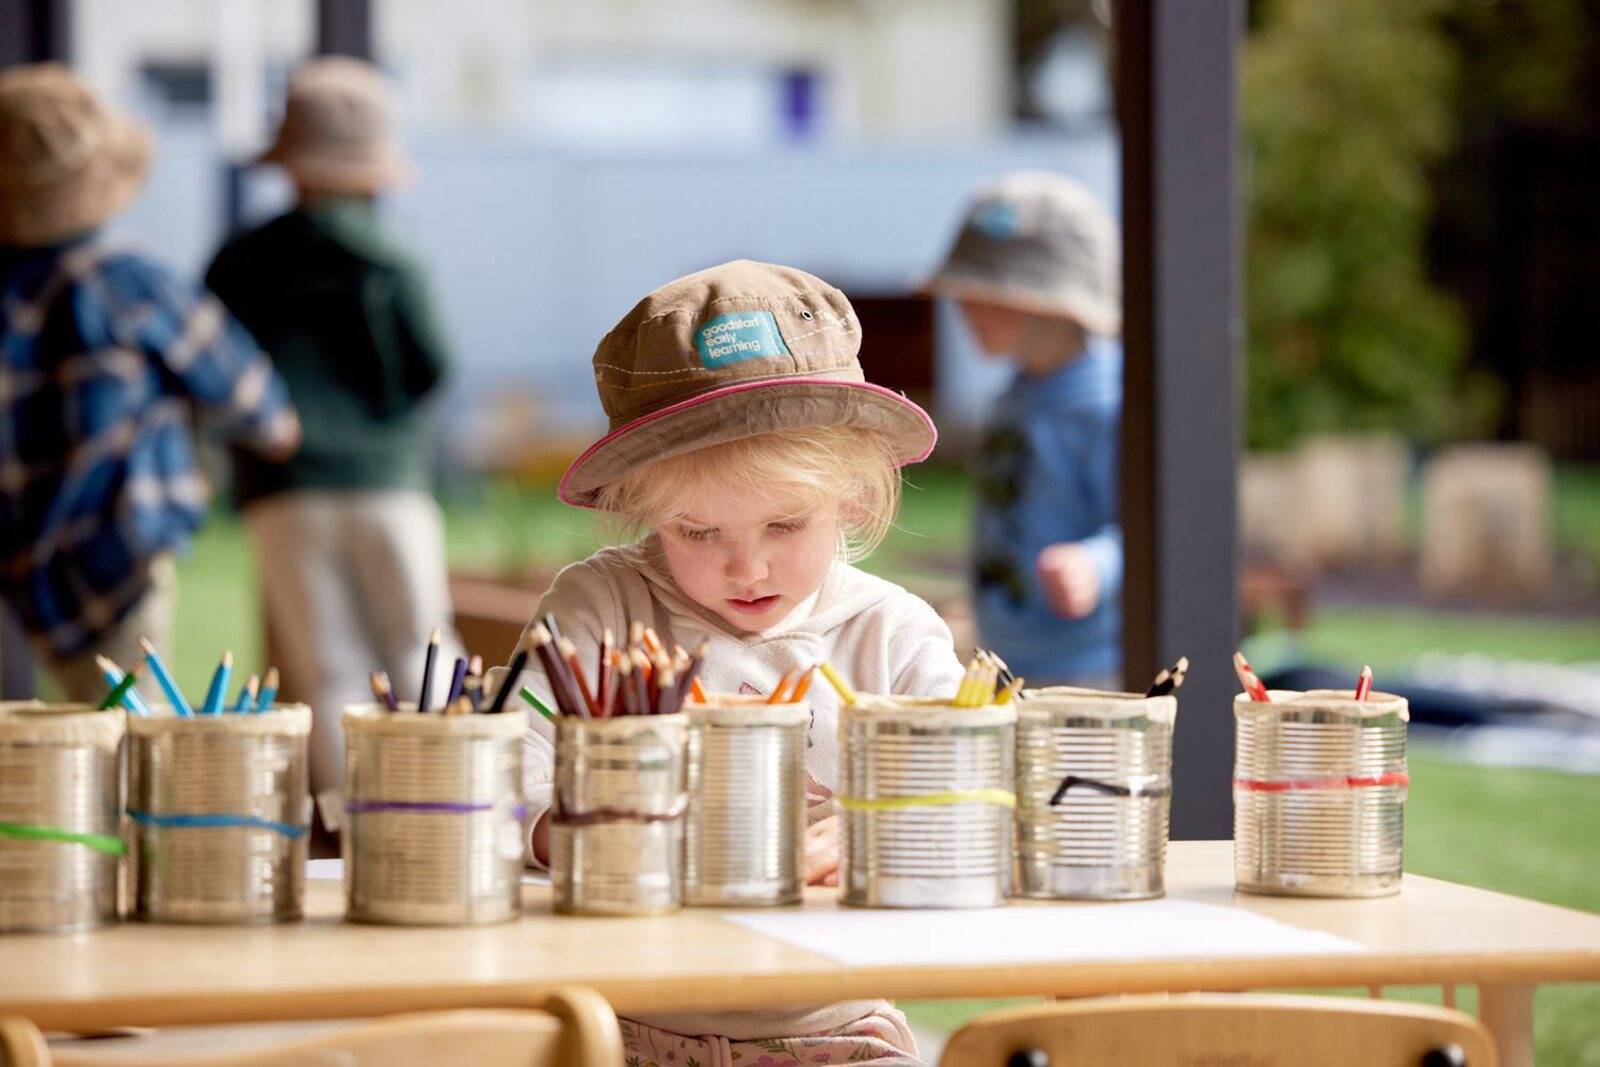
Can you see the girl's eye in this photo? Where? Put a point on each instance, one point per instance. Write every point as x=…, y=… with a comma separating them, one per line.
x=791, y=526
x=690, y=533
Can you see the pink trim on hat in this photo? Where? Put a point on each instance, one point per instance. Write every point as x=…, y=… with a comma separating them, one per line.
x=743, y=387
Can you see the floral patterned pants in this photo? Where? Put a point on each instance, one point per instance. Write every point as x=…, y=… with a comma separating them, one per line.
x=881, y=1039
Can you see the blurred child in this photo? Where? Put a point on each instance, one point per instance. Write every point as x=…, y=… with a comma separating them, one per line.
x=748, y=450
x=104, y=356
x=1035, y=270
x=348, y=539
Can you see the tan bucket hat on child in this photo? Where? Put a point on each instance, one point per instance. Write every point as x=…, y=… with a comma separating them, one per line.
x=340, y=129
x=68, y=161
x=738, y=350
x=1039, y=242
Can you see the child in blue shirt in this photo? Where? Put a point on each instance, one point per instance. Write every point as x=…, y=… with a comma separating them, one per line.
x=1035, y=270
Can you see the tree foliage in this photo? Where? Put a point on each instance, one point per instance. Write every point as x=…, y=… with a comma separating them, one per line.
x=1347, y=105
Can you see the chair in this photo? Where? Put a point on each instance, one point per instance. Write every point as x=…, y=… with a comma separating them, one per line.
x=571, y=1028
x=1205, y=1028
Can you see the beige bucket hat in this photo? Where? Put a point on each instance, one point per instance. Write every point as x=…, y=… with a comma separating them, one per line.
x=340, y=129
x=1039, y=242
x=738, y=350
x=68, y=161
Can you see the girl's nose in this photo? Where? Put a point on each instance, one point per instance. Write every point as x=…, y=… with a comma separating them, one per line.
x=745, y=565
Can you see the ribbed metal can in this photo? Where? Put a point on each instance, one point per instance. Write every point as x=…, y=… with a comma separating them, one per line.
x=60, y=816
x=1319, y=792
x=1105, y=760
x=433, y=817
x=926, y=793
x=221, y=814
x=744, y=833
x=616, y=824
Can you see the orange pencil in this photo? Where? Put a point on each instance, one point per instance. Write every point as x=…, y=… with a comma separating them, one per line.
x=803, y=685
x=699, y=691
x=781, y=688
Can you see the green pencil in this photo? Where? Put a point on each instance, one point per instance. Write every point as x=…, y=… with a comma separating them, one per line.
x=120, y=690
x=538, y=705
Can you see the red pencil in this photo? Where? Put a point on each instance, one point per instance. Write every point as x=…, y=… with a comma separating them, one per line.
x=1364, y=683
x=1247, y=678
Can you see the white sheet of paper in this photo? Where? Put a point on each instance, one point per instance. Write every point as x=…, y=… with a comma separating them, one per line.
x=333, y=871
x=1153, y=929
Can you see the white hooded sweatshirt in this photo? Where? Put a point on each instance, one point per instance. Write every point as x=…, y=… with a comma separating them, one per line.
x=881, y=638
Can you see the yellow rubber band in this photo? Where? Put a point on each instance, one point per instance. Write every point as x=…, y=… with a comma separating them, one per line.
x=1001, y=797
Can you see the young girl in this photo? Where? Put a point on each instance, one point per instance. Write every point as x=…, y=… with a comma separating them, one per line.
x=756, y=462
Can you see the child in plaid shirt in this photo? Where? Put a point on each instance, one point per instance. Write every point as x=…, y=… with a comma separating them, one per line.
x=103, y=358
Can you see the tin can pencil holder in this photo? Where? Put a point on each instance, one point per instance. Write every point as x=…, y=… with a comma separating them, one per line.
x=60, y=816
x=744, y=833
x=1319, y=791
x=616, y=826
x=926, y=792
x=221, y=811
x=432, y=817
x=1094, y=793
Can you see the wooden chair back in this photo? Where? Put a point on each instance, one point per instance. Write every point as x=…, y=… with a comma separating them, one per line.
x=1247, y=1030
x=571, y=1028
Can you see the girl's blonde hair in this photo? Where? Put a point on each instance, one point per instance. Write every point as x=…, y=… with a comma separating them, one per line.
x=856, y=467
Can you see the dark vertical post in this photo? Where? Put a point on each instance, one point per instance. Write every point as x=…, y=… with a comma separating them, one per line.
x=344, y=28
x=1180, y=433
x=31, y=31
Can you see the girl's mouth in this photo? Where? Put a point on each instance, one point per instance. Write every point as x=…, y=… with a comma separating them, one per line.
x=756, y=606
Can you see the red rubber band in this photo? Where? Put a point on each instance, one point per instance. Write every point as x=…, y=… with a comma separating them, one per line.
x=1349, y=782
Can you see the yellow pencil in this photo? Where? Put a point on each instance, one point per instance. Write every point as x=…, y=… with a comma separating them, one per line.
x=846, y=694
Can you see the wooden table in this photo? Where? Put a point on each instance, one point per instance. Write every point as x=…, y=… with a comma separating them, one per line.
x=1432, y=933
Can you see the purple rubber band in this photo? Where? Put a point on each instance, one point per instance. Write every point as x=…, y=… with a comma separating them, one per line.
x=435, y=807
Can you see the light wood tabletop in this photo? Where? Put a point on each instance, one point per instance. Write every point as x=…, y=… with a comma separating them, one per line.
x=1433, y=932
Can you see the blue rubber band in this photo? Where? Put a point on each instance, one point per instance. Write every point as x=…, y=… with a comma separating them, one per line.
x=190, y=821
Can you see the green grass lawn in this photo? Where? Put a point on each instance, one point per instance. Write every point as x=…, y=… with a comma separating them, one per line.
x=1529, y=833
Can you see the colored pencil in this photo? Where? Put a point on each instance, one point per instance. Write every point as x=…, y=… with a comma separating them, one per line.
x=383, y=690
x=1009, y=693
x=121, y=685
x=1364, y=683
x=841, y=687
x=802, y=686
x=164, y=679
x=429, y=658
x=550, y=624
x=217, y=691
x=628, y=694
x=247, y=694
x=780, y=691
x=1169, y=679
x=698, y=690
x=538, y=705
x=1247, y=678
x=602, y=673
x=508, y=684
x=269, y=690
x=562, y=684
x=569, y=652
x=458, y=677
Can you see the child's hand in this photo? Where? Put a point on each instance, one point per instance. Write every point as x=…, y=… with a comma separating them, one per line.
x=1070, y=580
x=822, y=852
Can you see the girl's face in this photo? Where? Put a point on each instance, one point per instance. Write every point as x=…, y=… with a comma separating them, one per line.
x=751, y=560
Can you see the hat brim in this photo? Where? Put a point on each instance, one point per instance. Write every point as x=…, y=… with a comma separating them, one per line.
x=749, y=409
x=1093, y=315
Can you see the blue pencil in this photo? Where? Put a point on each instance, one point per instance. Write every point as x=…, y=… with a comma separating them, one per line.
x=218, y=690
x=247, y=694
x=269, y=690
x=458, y=678
x=164, y=679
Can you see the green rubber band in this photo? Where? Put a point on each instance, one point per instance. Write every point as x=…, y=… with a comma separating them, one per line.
x=111, y=846
x=1000, y=797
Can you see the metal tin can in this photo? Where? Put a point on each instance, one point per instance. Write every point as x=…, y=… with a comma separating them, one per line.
x=1319, y=792
x=433, y=817
x=1094, y=792
x=616, y=825
x=744, y=834
x=927, y=797
x=60, y=816
x=222, y=815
